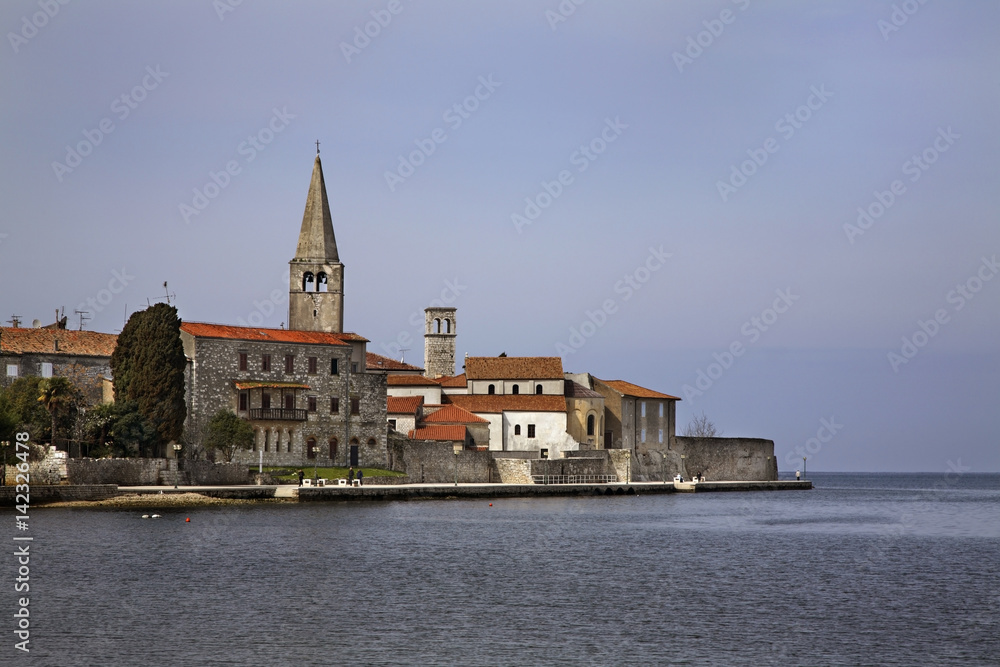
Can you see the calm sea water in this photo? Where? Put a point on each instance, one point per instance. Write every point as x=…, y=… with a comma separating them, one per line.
x=865, y=569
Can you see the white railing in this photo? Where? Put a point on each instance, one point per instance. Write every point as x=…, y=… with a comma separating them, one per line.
x=574, y=479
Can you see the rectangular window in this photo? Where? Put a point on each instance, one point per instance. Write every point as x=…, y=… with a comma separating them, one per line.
x=644, y=410
x=334, y=367
x=392, y=424
x=265, y=362
x=642, y=436
x=313, y=365
x=289, y=401
x=46, y=369
x=661, y=435
x=244, y=401
x=334, y=405
x=661, y=410
x=289, y=363
x=12, y=370
x=242, y=361
x=531, y=430
x=355, y=406
x=354, y=367
x=312, y=404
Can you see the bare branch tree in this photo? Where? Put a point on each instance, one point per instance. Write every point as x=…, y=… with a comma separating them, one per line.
x=702, y=427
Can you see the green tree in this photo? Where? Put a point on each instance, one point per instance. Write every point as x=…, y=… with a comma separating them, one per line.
x=30, y=415
x=227, y=434
x=148, y=369
x=118, y=430
x=58, y=396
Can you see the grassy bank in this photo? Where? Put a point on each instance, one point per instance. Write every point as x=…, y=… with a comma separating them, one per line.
x=291, y=475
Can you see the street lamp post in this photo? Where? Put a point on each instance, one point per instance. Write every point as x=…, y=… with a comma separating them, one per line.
x=177, y=457
x=684, y=467
x=803, y=466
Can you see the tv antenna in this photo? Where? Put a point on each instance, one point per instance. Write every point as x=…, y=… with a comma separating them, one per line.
x=167, y=294
x=15, y=321
x=84, y=316
x=402, y=353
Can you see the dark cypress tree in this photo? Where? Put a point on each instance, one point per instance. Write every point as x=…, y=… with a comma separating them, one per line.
x=148, y=369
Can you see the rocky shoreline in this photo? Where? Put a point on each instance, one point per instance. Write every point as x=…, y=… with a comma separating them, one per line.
x=164, y=500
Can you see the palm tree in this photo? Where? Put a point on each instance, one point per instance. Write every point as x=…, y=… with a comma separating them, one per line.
x=55, y=392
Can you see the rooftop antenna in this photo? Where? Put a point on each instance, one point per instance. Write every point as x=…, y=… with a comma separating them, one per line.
x=84, y=316
x=15, y=321
x=168, y=296
x=402, y=353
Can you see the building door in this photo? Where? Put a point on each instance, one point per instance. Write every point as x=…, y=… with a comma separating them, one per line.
x=354, y=455
x=289, y=401
x=609, y=440
x=311, y=448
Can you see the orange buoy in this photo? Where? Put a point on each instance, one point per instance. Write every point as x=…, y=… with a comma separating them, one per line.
x=491, y=504
x=188, y=520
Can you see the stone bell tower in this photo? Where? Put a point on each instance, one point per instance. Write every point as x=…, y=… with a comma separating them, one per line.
x=439, y=342
x=316, y=276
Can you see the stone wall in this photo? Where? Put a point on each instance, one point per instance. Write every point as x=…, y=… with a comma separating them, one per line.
x=429, y=462
x=737, y=459
x=577, y=465
x=514, y=471
x=55, y=494
x=152, y=472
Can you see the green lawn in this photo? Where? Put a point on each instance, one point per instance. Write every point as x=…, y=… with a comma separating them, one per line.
x=287, y=474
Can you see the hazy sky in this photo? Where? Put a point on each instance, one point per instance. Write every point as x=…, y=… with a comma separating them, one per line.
x=642, y=188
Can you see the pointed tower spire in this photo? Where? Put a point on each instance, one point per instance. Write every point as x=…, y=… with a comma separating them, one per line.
x=316, y=276
x=316, y=238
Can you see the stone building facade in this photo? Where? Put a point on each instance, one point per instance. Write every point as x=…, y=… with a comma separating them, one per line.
x=439, y=342
x=637, y=418
x=84, y=357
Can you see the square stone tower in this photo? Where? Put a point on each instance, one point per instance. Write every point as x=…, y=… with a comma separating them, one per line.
x=439, y=342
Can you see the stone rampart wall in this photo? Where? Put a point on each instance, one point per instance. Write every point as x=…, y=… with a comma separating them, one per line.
x=429, y=462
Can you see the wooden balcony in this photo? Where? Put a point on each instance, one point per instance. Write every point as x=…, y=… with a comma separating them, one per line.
x=277, y=414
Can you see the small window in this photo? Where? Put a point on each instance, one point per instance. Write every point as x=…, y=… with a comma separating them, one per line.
x=590, y=424
x=392, y=424
x=334, y=367
x=517, y=429
x=543, y=453
x=265, y=362
x=371, y=442
x=642, y=435
x=244, y=401
x=289, y=363
x=242, y=361
x=12, y=370
x=531, y=430
x=354, y=367
x=661, y=409
x=515, y=390
x=334, y=405
x=538, y=389
x=661, y=435
x=313, y=365
x=46, y=369
x=355, y=406
x=643, y=408
x=492, y=389
x=311, y=401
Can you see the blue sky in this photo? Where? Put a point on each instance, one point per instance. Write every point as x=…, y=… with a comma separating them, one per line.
x=713, y=157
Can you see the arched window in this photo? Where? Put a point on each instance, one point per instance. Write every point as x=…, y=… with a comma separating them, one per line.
x=308, y=281
x=371, y=442
x=333, y=448
x=517, y=429
x=590, y=424
x=321, y=283
x=515, y=390
x=437, y=325
x=538, y=389
x=492, y=389
x=447, y=326
x=311, y=448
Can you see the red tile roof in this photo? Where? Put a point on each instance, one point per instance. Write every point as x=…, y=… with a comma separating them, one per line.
x=576, y=390
x=452, y=414
x=495, y=403
x=438, y=432
x=376, y=362
x=206, y=330
x=20, y=340
x=514, y=368
x=453, y=381
x=403, y=404
x=410, y=381
x=629, y=389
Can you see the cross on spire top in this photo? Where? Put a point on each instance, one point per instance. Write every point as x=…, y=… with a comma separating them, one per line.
x=317, y=147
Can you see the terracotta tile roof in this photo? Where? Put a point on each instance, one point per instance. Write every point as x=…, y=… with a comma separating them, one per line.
x=439, y=432
x=253, y=384
x=514, y=368
x=495, y=403
x=21, y=340
x=410, y=381
x=453, y=381
x=207, y=330
x=629, y=389
x=407, y=405
x=452, y=414
x=576, y=390
x=376, y=362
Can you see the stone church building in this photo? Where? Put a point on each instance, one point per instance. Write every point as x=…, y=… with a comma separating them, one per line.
x=306, y=390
